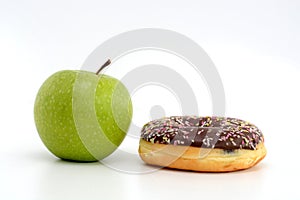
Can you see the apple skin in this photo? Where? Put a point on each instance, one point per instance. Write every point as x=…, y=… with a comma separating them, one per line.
x=75, y=136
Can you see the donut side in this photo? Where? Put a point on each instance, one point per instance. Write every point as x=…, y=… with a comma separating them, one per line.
x=200, y=159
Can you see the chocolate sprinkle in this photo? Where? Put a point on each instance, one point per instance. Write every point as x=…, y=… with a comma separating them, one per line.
x=204, y=132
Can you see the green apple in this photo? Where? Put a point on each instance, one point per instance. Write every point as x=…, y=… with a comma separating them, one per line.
x=82, y=116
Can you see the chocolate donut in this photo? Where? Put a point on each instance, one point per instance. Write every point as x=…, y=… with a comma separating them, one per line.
x=212, y=144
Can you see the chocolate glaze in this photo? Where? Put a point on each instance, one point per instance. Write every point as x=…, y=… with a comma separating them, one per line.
x=204, y=132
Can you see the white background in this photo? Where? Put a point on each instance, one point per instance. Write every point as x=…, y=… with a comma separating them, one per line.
x=254, y=44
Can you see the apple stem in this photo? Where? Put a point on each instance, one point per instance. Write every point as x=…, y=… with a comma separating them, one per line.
x=103, y=66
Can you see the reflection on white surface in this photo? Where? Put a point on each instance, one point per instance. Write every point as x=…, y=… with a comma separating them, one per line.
x=41, y=176
x=67, y=180
x=129, y=163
